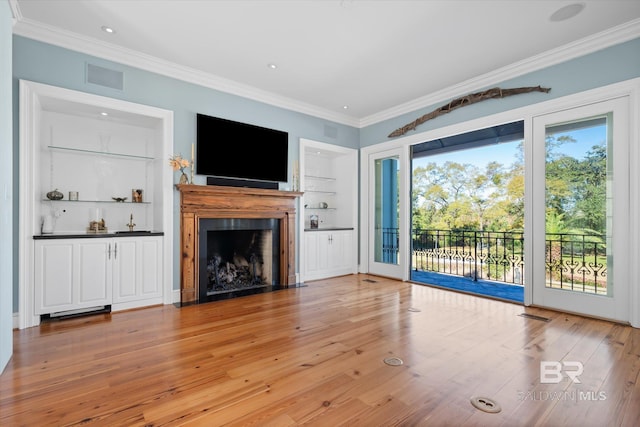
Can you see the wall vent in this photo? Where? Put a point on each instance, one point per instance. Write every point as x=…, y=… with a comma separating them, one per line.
x=105, y=77
x=330, y=131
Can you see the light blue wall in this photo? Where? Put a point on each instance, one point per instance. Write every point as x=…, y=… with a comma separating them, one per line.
x=56, y=66
x=611, y=65
x=44, y=63
x=6, y=176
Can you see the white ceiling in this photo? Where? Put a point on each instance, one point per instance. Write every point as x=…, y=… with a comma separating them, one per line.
x=381, y=58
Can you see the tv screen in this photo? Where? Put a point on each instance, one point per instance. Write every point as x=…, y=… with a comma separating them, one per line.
x=230, y=149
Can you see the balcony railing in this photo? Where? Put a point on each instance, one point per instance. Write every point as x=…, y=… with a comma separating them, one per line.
x=576, y=262
x=490, y=255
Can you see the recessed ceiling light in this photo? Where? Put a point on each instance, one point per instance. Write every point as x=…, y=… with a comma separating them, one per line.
x=346, y=107
x=566, y=12
x=272, y=66
x=108, y=29
x=104, y=113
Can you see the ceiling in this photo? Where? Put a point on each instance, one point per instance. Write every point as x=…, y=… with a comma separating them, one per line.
x=378, y=58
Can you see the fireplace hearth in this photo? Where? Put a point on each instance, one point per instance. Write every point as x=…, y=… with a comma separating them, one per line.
x=235, y=241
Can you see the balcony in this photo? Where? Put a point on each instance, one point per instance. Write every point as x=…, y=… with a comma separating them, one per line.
x=492, y=263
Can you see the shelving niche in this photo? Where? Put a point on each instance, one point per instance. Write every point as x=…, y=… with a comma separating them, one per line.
x=328, y=179
x=102, y=148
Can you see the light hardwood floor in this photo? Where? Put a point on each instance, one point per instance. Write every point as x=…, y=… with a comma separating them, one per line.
x=315, y=356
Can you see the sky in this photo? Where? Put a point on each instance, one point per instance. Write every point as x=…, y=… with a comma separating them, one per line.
x=505, y=153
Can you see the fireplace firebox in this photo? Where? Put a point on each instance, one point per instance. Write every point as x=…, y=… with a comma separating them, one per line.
x=238, y=257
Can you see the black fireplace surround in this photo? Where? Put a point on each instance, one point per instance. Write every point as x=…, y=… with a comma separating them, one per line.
x=238, y=257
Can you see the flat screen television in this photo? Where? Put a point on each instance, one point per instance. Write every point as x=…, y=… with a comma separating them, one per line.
x=229, y=149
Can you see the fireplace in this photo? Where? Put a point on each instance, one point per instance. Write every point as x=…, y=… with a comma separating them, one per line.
x=235, y=241
x=238, y=257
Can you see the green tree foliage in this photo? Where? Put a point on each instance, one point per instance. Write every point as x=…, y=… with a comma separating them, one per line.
x=462, y=196
x=452, y=195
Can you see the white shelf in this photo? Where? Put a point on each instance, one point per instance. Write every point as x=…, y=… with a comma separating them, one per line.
x=100, y=153
x=320, y=178
x=97, y=201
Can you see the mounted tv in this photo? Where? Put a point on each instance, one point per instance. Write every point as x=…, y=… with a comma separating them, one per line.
x=240, y=151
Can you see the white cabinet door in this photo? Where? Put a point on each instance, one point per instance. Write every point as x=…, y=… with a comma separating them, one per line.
x=137, y=274
x=314, y=262
x=94, y=270
x=341, y=251
x=125, y=270
x=54, y=276
x=150, y=249
x=71, y=274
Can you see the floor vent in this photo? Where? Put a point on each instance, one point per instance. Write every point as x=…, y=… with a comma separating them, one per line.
x=62, y=315
x=486, y=404
x=370, y=280
x=393, y=361
x=534, y=317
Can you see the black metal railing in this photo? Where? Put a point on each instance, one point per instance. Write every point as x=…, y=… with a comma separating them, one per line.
x=491, y=255
x=577, y=262
x=573, y=261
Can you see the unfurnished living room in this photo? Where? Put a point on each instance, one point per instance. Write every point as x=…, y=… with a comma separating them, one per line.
x=338, y=212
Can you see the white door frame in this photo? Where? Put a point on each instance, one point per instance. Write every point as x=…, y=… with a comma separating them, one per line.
x=401, y=270
x=613, y=306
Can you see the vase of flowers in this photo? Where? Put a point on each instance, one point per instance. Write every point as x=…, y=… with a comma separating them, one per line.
x=177, y=162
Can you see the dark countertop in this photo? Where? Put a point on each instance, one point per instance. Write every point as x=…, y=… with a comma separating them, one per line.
x=328, y=229
x=97, y=235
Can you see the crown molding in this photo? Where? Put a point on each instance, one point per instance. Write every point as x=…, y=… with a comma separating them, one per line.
x=15, y=11
x=73, y=41
x=587, y=45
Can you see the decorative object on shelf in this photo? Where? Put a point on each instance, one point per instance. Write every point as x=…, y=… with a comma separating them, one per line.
x=177, y=162
x=136, y=195
x=313, y=221
x=193, y=151
x=131, y=224
x=120, y=199
x=97, y=227
x=47, y=224
x=472, y=98
x=55, y=195
x=296, y=176
x=73, y=195
x=323, y=205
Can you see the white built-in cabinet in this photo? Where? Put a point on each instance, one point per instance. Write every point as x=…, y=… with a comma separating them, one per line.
x=82, y=273
x=96, y=151
x=328, y=180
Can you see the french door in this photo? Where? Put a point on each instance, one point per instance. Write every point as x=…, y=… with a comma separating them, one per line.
x=580, y=208
x=387, y=241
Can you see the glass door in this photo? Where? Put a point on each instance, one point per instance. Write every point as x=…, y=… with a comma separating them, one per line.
x=386, y=239
x=580, y=210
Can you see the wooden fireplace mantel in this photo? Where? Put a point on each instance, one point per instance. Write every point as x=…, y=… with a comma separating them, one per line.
x=210, y=201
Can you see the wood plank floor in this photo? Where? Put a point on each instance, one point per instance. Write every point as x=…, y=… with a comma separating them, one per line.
x=315, y=356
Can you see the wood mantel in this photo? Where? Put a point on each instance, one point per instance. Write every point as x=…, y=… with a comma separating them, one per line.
x=210, y=201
